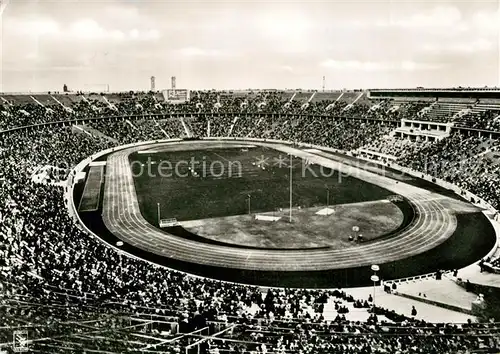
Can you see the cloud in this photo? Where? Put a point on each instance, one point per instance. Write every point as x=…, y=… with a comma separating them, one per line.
x=145, y=35
x=90, y=29
x=283, y=29
x=414, y=66
x=283, y=24
x=391, y=43
x=32, y=26
x=372, y=66
x=440, y=16
x=199, y=52
x=287, y=68
x=82, y=29
x=447, y=21
x=486, y=22
x=460, y=47
x=122, y=13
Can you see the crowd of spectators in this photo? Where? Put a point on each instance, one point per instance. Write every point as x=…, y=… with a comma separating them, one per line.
x=396, y=110
x=467, y=162
x=394, y=147
x=373, y=336
x=487, y=120
x=77, y=106
x=72, y=292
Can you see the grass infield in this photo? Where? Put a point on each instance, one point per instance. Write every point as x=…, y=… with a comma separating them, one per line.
x=204, y=195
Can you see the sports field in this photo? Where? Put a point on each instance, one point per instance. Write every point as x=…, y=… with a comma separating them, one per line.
x=227, y=182
x=308, y=229
x=443, y=232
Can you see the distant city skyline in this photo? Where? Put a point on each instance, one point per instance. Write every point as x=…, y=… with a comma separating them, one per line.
x=248, y=44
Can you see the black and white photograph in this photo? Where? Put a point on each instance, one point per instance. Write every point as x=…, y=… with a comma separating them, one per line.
x=249, y=176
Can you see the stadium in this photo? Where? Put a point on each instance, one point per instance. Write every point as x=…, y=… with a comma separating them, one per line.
x=184, y=220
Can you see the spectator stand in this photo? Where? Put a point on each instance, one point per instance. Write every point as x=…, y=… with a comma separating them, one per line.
x=63, y=244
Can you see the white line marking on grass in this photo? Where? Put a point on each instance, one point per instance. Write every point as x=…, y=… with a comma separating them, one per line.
x=222, y=157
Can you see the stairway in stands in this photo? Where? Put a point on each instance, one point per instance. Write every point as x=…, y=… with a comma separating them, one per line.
x=93, y=132
x=425, y=311
x=446, y=110
x=444, y=293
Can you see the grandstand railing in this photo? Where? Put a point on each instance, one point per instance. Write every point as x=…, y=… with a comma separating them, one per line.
x=417, y=277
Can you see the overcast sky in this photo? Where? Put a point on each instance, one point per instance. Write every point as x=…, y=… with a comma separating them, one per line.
x=241, y=44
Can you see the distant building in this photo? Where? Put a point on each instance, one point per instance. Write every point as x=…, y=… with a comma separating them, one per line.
x=153, y=83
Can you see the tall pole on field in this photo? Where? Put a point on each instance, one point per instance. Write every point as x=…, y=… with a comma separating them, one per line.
x=249, y=196
x=158, y=205
x=291, y=187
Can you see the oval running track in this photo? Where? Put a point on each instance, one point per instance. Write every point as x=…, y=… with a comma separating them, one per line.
x=433, y=224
